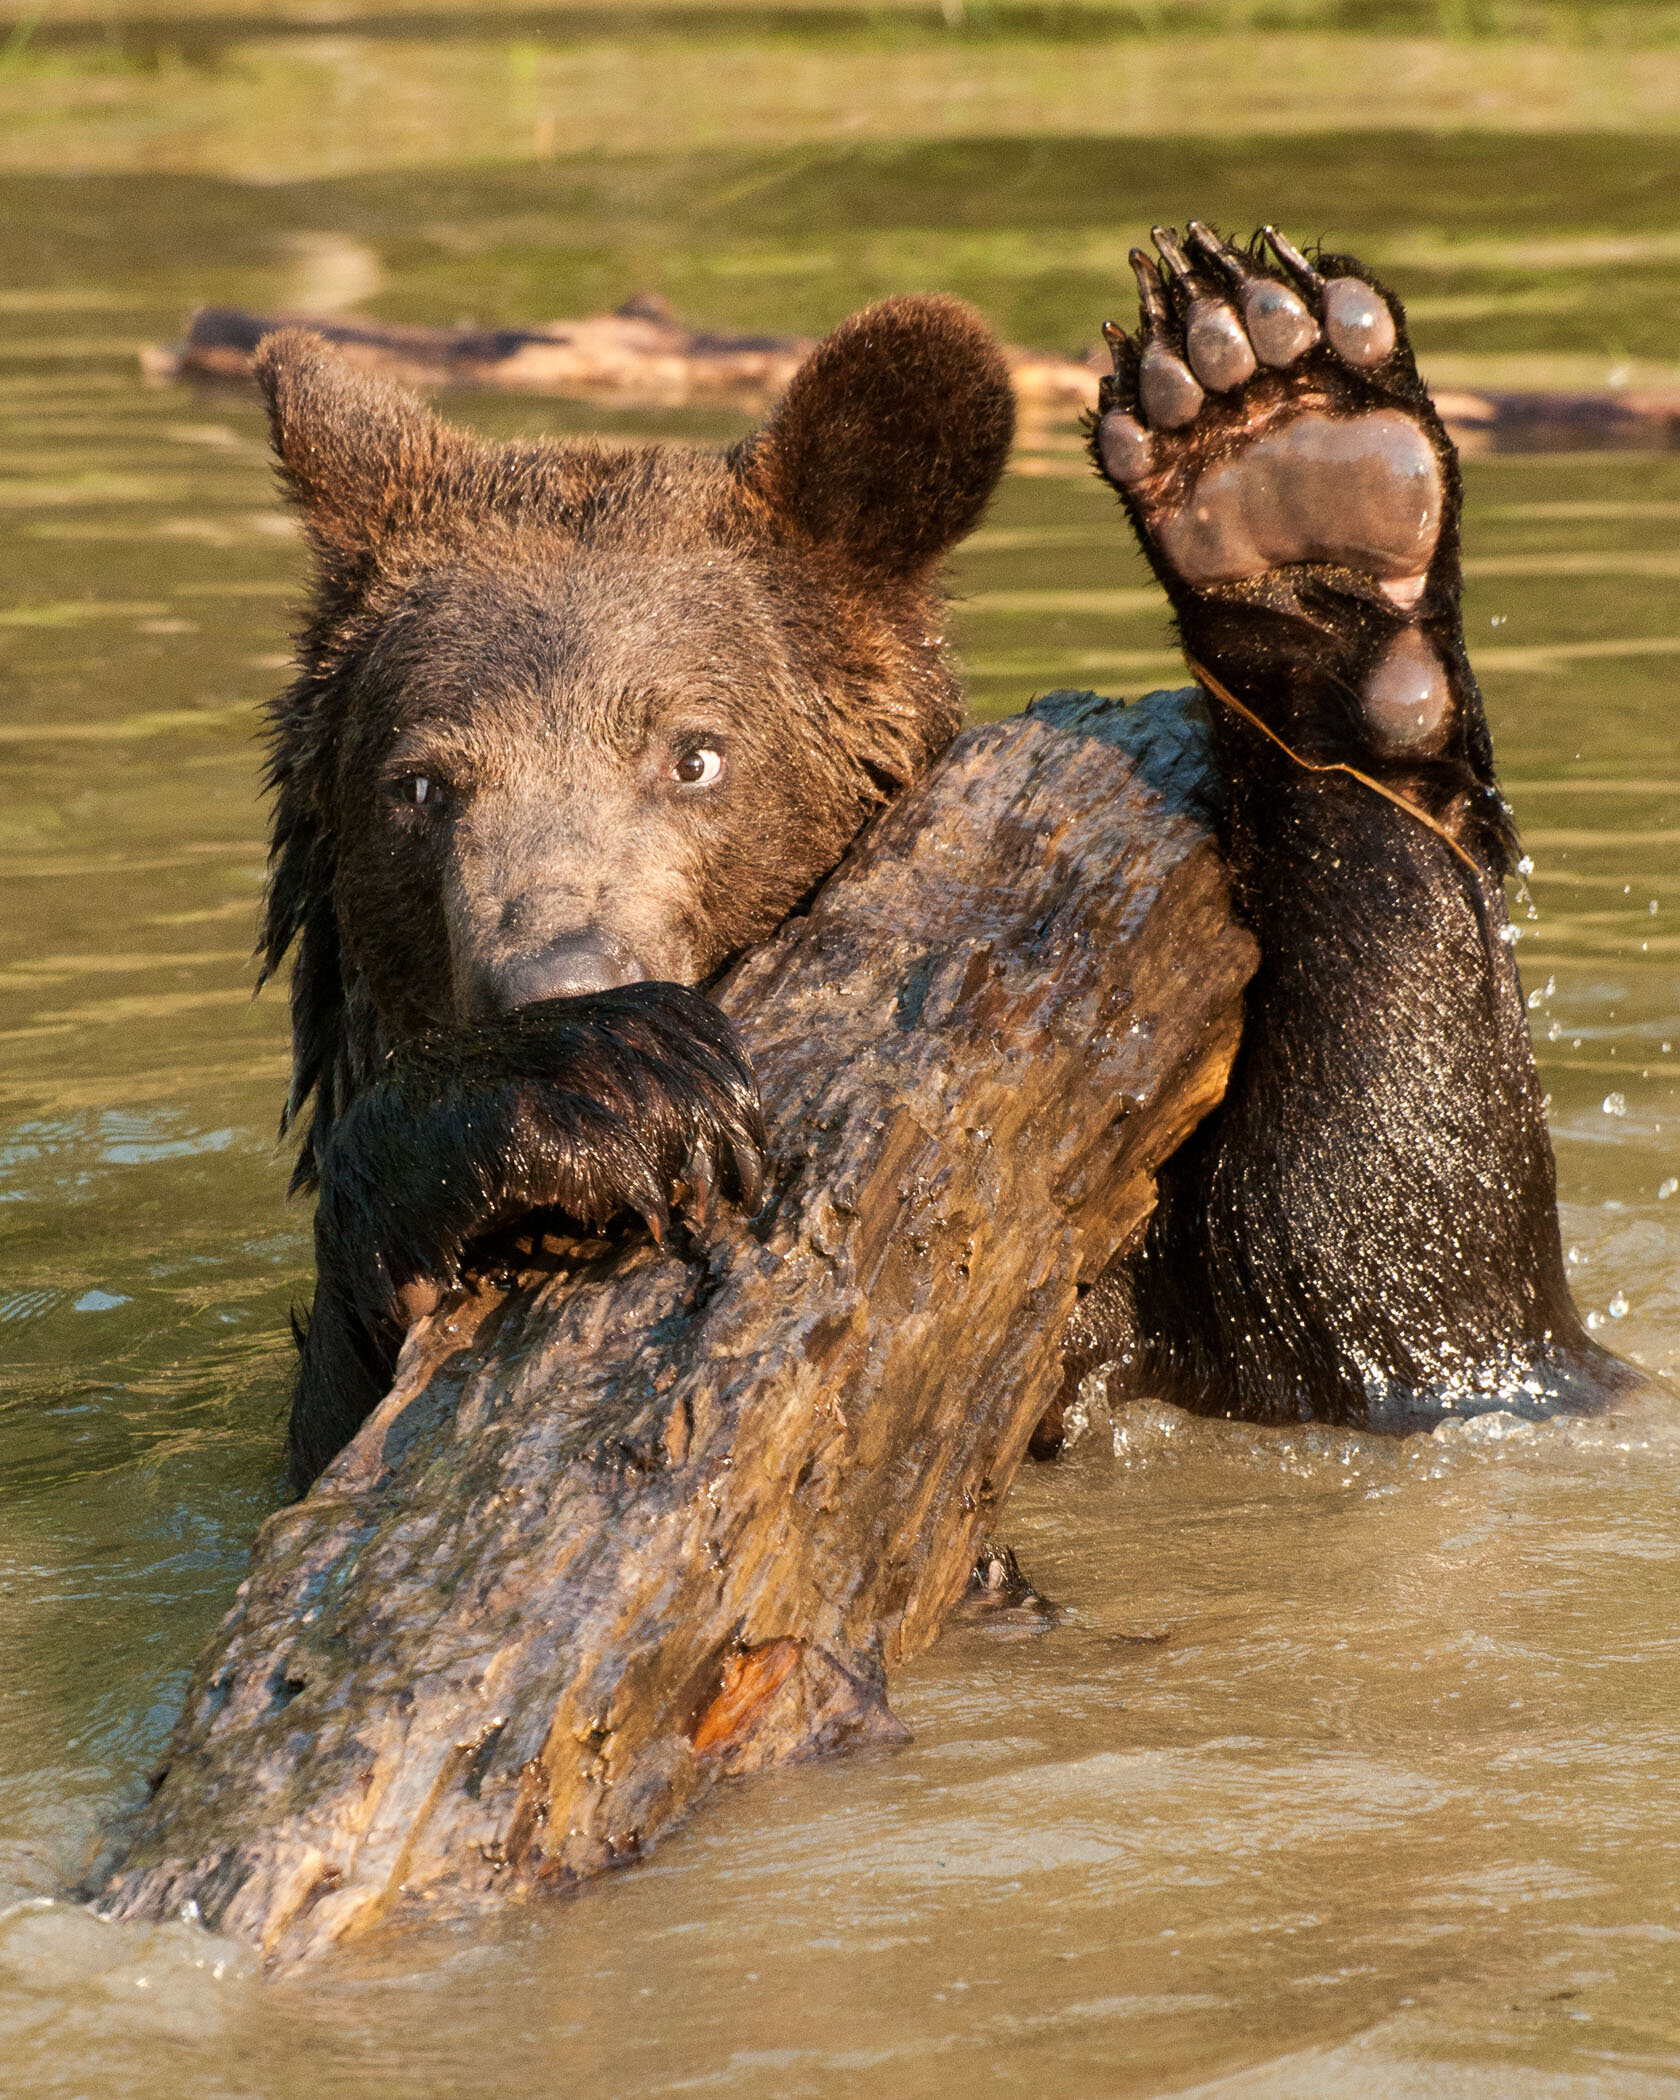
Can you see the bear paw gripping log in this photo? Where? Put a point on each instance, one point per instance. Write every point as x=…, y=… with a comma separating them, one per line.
x=591, y=1107
x=670, y=1514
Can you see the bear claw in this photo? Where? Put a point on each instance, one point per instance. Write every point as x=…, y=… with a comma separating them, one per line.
x=1292, y=260
x=1279, y=326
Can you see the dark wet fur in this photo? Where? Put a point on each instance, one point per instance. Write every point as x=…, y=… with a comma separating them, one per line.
x=1366, y=1230
x=594, y=1108
x=542, y=629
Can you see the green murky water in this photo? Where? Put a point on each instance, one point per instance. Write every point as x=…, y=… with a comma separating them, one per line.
x=1351, y=1768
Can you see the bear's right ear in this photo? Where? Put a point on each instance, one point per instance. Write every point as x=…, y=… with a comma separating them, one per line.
x=891, y=436
x=364, y=458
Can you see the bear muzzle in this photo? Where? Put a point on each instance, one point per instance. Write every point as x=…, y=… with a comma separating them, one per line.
x=568, y=968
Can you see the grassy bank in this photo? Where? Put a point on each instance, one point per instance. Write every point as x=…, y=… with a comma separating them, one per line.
x=1514, y=167
x=263, y=100
x=151, y=23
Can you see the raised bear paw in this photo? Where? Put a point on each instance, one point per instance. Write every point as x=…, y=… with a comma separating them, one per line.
x=625, y=1102
x=1296, y=494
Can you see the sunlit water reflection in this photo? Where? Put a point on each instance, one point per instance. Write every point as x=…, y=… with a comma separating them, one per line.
x=1347, y=1766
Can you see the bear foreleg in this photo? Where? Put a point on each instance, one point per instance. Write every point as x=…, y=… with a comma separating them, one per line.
x=1366, y=1229
x=593, y=1107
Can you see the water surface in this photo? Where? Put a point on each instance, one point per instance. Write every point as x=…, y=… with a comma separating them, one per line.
x=1349, y=1766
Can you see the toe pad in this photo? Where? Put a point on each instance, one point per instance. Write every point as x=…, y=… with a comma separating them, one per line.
x=1362, y=491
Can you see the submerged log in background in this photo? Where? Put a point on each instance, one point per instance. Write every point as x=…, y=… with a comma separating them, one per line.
x=642, y=355
x=670, y=1515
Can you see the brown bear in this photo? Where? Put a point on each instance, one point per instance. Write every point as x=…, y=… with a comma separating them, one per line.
x=575, y=724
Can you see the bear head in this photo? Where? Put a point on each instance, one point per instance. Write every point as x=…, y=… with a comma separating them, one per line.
x=571, y=716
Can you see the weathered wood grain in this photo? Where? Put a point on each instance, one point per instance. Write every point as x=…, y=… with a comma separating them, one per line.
x=670, y=1515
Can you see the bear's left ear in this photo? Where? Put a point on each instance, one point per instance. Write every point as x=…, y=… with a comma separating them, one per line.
x=891, y=436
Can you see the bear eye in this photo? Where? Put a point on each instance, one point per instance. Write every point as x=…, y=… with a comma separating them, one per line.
x=698, y=768
x=419, y=791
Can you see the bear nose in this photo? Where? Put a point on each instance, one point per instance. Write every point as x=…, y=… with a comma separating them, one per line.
x=565, y=969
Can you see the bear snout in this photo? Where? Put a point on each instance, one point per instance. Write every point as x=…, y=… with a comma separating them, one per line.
x=568, y=968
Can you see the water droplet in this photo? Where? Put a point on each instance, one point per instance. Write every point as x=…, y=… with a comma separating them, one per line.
x=1618, y=1307
x=1667, y=1188
x=1595, y=1320
x=1615, y=1104
x=1525, y=866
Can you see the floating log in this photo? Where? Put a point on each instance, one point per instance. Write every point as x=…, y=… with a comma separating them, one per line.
x=1633, y=421
x=642, y=356
x=639, y=356
x=664, y=1516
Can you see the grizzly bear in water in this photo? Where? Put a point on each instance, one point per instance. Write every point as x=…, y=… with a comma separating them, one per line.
x=576, y=724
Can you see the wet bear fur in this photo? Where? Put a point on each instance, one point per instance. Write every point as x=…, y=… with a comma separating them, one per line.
x=1365, y=1229
x=493, y=974
x=498, y=861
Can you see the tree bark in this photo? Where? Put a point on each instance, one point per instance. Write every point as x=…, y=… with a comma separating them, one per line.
x=665, y=1516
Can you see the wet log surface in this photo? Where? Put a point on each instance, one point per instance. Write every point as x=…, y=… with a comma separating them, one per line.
x=661, y=1517
x=643, y=355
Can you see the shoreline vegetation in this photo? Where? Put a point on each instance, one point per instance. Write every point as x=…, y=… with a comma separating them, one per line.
x=246, y=91
x=1631, y=23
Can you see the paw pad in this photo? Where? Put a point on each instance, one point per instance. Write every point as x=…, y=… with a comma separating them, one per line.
x=1275, y=447
x=1358, y=323
x=1255, y=424
x=1221, y=355
x=1406, y=698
